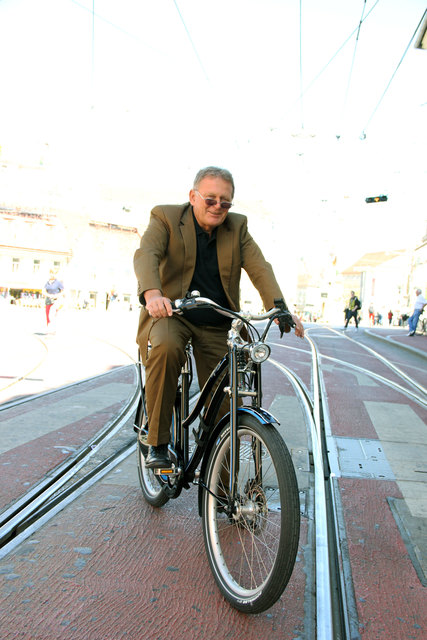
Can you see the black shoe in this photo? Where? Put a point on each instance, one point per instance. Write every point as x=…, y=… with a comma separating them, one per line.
x=157, y=457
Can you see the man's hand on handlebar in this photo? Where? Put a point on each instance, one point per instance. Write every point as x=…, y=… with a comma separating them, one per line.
x=157, y=305
x=286, y=327
x=287, y=320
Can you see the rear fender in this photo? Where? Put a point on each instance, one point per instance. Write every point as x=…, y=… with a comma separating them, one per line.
x=265, y=417
x=138, y=417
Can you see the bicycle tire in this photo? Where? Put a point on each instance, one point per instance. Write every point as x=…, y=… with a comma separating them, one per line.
x=151, y=486
x=252, y=551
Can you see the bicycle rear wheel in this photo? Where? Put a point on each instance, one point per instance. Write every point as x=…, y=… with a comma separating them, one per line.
x=153, y=488
x=251, y=545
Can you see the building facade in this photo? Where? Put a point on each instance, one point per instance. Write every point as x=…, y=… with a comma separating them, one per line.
x=93, y=259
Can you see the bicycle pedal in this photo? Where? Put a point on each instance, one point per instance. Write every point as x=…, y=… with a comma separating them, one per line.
x=167, y=471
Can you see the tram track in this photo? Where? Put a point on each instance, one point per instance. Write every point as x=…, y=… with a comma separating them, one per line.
x=75, y=475
x=335, y=608
x=29, y=398
x=25, y=386
x=331, y=606
x=336, y=611
x=386, y=362
x=28, y=373
x=59, y=484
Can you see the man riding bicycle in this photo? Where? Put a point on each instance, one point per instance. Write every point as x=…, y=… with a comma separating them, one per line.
x=195, y=246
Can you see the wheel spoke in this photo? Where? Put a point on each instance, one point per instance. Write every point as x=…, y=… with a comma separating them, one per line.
x=256, y=550
x=252, y=544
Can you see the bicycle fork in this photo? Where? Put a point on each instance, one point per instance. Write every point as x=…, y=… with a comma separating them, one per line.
x=236, y=390
x=233, y=392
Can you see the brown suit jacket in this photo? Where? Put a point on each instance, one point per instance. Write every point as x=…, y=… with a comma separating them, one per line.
x=167, y=256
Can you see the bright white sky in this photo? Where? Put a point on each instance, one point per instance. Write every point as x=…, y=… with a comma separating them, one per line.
x=152, y=90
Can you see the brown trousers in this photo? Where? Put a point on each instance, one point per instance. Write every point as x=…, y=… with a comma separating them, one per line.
x=168, y=338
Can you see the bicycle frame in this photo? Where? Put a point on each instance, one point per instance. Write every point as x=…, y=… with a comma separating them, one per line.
x=238, y=375
x=228, y=379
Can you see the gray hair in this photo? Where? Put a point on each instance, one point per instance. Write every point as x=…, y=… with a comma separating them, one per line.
x=214, y=172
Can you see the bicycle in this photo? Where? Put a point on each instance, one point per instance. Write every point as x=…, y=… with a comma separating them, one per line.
x=247, y=490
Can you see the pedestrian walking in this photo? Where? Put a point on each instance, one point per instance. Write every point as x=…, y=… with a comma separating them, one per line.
x=371, y=312
x=52, y=290
x=352, y=310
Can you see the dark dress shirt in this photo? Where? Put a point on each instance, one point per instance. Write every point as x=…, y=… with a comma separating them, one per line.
x=207, y=280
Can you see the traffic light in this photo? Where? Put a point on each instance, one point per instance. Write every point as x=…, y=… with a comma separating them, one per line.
x=377, y=199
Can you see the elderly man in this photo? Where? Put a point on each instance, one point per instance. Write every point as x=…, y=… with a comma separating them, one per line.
x=420, y=303
x=200, y=246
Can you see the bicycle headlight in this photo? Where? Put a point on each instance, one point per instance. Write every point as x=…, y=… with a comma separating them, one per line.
x=259, y=352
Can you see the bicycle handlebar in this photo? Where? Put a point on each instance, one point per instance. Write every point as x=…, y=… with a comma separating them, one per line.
x=281, y=311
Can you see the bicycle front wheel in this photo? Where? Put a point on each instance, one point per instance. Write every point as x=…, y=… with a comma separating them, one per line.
x=251, y=544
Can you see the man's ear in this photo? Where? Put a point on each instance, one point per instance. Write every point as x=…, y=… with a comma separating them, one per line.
x=192, y=196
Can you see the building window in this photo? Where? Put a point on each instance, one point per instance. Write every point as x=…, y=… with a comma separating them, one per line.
x=56, y=265
x=36, y=266
x=15, y=264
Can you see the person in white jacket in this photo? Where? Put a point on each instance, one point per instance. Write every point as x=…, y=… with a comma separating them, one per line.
x=420, y=303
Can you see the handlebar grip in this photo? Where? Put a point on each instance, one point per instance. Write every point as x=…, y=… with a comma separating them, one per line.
x=286, y=322
x=176, y=305
x=184, y=302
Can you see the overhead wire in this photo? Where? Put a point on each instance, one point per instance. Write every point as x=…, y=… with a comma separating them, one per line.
x=93, y=53
x=363, y=136
x=192, y=43
x=98, y=16
x=135, y=37
x=300, y=61
x=332, y=58
x=352, y=64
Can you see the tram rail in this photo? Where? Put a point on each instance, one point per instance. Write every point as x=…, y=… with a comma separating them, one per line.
x=387, y=363
x=335, y=610
x=331, y=612
x=52, y=488
x=29, y=398
x=26, y=387
x=335, y=606
x=24, y=376
x=59, y=487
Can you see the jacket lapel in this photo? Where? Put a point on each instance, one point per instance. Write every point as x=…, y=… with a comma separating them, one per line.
x=188, y=234
x=224, y=248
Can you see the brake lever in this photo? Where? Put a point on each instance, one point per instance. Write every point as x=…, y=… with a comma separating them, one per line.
x=286, y=321
x=186, y=302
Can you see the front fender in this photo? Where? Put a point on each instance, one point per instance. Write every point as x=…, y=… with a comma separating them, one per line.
x=265, y=417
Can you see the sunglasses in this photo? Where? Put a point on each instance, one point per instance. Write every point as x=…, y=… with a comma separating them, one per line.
x=211, y=202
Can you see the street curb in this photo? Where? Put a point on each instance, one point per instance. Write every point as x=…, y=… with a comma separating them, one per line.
x=423, y=354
